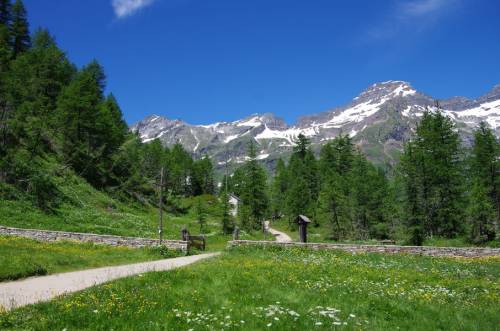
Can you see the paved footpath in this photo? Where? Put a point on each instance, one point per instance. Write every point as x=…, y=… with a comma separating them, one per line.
x=281, y=237
x=32, y=290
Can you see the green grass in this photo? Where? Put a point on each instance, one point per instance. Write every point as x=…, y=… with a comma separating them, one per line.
x=323, y=232
x=292, y=289
x=88, y=210
x=21, y=258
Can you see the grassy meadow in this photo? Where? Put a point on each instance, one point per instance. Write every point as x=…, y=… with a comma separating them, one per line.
x=323, y=234
x=21, y=258
x=285, y=289
x=88, y=210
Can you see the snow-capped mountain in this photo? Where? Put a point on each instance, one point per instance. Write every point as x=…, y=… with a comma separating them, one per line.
x=379, y=120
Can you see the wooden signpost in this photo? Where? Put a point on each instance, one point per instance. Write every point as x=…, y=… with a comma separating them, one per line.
x=303, y=221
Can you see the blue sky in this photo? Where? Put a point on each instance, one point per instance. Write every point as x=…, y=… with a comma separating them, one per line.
x=220, y=60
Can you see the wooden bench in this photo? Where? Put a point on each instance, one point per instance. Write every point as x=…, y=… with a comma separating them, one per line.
x=387, y=242
x=198, y=242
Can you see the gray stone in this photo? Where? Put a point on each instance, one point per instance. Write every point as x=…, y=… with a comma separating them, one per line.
x=133, y=242
x=390, y=249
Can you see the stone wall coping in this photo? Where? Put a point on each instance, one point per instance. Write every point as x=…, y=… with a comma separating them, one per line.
x=429, y=250
x=38, y=234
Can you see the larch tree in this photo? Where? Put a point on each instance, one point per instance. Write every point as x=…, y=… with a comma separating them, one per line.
x=21, y=40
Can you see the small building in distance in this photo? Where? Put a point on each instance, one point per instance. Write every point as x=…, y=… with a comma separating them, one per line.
x=234, y=201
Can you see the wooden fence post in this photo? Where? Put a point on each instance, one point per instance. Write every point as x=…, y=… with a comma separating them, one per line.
x=236, y=233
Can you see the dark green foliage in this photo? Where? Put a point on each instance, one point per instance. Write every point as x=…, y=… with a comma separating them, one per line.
x=201, y=213
x=484, y=205
x=354, y=193
x=278, y=189
x=5, y=12
x=227, y=219
x=481, y=213
x=202, y=179
x=250, y=184
x=55, y=117
x=21, y=40
x=433, y=170
x=303, y=184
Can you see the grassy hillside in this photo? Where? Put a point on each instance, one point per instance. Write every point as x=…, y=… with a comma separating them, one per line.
x=33, y=258
x=259, y=289
x=85, y=209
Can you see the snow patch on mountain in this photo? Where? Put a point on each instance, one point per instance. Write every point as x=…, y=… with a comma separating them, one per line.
x=231, y=138
x=489, y=112
x=251, y=122
x=393, y=107
x=355, y=114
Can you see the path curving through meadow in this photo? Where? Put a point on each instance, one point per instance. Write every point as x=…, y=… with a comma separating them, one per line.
x=281, y=237
x=37, y=289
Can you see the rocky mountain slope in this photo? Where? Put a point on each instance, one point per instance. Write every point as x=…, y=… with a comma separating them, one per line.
x=379, y=120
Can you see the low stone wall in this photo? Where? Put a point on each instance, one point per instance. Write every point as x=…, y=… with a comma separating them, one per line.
x=44, y=235
x=391, y=249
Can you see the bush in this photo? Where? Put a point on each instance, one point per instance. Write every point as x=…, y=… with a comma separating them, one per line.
x=380, y=231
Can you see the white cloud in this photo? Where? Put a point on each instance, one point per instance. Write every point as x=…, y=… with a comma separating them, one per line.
x=410, y=16
x=125, y=8
x=418, y=8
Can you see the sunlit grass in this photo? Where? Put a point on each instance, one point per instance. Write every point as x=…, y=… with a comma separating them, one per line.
x=286, y=289
x=20, y=257
x=91, y=211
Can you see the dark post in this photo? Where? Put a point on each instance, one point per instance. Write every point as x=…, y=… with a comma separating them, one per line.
x=303, y=221
x=160, y=228
x=185, y=234
x=236, y=233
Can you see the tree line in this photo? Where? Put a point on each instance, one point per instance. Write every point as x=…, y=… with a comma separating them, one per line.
x=55, y=117
x=440, y=188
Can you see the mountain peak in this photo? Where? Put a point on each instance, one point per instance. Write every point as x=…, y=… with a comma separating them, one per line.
x=492, y=95
x=379, y=120
x=385, y=90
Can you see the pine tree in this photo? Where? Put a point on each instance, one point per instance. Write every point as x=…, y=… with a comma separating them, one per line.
x=5, y=13
x=481, y=214
x=253, y=192
x=484, y=166
x=413, y=196
x=279, y=187
x=202, y=178
x=5, y=56
x=303, y=188
x=5, y=50
x=79, y=110
x=226, y=221
x=112, y=124
x=21, y=40
x=434, y=170
x=180, y=165
x=201, y=213
x=335, y=206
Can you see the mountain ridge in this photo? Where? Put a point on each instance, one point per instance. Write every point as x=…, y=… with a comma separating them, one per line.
x=379, y=120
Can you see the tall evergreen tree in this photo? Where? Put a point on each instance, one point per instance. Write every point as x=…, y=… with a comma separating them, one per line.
x=254, y=199
x=21, y=40
x=481, y=212
x=279, y=187
x=5, y=13
x=335, y=207
x=432, y=168
x=81, y=121
x=303, y=187
x=485, y=167
x=180, y=167
x=227, y=219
